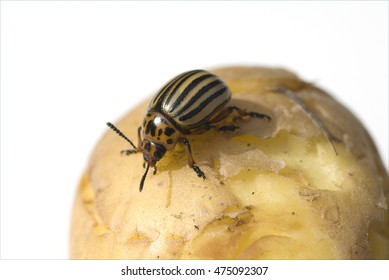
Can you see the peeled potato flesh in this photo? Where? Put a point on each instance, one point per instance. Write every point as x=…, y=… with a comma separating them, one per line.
x=274, y=190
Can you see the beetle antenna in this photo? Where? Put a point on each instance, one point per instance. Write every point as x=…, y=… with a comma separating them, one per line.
x=114, y=128
x=143, y=178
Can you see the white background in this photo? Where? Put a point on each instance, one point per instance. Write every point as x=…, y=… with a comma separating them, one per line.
x=69, y=67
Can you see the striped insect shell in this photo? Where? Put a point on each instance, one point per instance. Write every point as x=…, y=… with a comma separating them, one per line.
x=191, y=103
x=191, y=99
x=185, y=103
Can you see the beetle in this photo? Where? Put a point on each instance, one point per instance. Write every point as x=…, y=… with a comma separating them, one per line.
x=191, y=103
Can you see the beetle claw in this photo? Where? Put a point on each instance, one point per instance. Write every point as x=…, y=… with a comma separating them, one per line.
x=128, y=152
x=199, y=172
x=228, y=128
x=259, y=115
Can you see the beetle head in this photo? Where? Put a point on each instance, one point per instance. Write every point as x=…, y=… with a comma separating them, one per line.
x=152, y=152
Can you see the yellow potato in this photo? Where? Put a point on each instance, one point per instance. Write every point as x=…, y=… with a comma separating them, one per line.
x=274, y=190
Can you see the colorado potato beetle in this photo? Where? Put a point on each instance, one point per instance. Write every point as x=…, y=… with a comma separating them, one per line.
x=191, y=103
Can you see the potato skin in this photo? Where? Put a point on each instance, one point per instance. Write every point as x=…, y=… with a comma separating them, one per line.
x=275, y=190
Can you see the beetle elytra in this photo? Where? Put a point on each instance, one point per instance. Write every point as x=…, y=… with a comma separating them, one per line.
x=191, y=103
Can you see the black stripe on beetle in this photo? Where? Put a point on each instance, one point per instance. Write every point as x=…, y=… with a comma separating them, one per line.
x=187, y=90
x=196, y=97
x=203, y=106
x=159, y=98
x=178, y=86
x=191, y=103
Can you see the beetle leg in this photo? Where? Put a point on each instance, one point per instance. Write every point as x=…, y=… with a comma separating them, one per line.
x=228, y=128
x=155, y=169
x=207, y=126
x=139, y=138
x=128, y=152
x=191, y=161
x=242, y=113
x=223, y=127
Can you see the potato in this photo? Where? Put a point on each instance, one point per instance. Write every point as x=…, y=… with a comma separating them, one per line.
x=274, y=190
